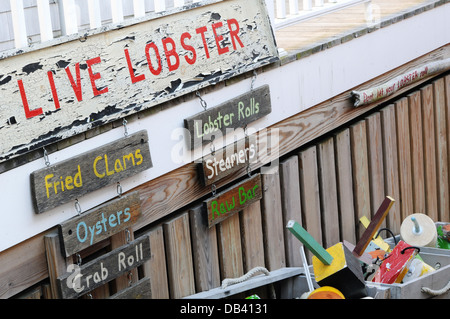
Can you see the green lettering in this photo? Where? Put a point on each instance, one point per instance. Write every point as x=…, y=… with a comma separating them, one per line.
x=214, y=209
x=242, y=195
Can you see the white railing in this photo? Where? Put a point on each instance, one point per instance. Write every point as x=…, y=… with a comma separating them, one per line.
x=287, y=12
x=25, y=22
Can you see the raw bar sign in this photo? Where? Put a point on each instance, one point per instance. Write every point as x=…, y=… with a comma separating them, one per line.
x=233, y=200
x=68, y=180
x=59, y=91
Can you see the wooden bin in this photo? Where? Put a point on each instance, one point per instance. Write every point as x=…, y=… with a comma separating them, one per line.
x=291, y=282
x=436, y=280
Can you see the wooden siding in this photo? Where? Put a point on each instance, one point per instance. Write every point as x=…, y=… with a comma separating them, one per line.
x=326, y=185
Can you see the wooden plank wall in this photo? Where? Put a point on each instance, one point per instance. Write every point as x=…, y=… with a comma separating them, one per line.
x=401, y=150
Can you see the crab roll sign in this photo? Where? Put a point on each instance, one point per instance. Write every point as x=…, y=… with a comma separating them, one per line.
x=62, y=90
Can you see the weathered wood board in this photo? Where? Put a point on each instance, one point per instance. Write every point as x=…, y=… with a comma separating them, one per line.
x=228, y=160
x=236, y=113
x=141, y=290
x=65, y=181
x=82, y=279
x=59, y=91
x=233, y=200
x=99, y=223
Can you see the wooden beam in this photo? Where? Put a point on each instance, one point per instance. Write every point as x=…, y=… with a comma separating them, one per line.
x=310, y=243
x=374, y=226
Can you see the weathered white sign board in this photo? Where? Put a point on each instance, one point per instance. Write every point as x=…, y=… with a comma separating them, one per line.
x=59, y=91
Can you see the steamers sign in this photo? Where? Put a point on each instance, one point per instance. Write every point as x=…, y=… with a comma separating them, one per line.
x=62, y=90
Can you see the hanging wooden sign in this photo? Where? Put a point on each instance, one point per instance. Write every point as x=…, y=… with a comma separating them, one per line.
x=65, y=181
x=82, y=279
x=99, y=223
x=140, y=290
x=65, y=89
x=233, y=200
x=228, y=160
x=236, y=113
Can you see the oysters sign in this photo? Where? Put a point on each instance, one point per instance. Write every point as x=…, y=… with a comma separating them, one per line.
x=62, y=90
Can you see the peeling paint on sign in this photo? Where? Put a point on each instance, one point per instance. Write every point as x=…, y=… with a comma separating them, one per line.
x=60, y=91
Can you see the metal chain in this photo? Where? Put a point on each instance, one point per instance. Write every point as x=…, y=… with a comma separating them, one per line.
x=46, y=158
x=78, y=207
x=125, y=122
x=119, y=189
x=249, y=170
x=253, y=80
x=202, y=101
x=128, y=235
x=78, y=259
x=213, y=190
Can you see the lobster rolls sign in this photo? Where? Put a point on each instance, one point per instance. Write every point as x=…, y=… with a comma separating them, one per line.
x=62, y=90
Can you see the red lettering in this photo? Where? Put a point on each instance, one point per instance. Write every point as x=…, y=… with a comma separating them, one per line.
x=95, y=76
x=187, y=47
x=171, y=53
x=202, y=31
x=153, y=46
x=219, y=38
x=53, y=89
x=76, y=86
x=28, y=113
x=234, y=33
x=134, y=78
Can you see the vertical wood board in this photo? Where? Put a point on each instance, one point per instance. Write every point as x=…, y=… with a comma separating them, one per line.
x=205, y=252
x=155, y=268
x=442, y=136
x=230, y=248
x=344, y=176
x=391, y=167
x=309, y=188
x=291, y=207
x=360, y=172
x=417, y=160
x=404, y=157
x=273, y=220
x=328, y=192
x=431, y=192
x=180, y=268
x=252, y=236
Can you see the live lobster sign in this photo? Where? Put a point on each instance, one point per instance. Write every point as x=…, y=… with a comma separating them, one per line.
x=62, y=90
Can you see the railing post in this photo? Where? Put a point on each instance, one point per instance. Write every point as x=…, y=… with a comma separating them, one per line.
x=307, y=5
x=45, y=21
x=271, y=9
x=95, y=19
x=139, y=8
x=178, y=3
x=281, y=9
x=117, y=11
x=160, y=5
x=68, y=17
x=293, y=7
x=18, y=19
